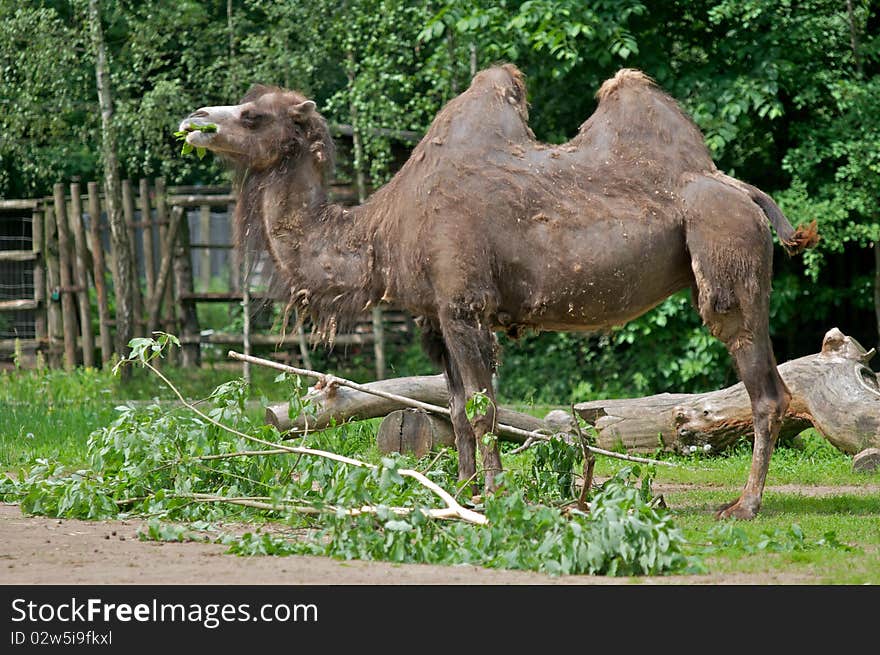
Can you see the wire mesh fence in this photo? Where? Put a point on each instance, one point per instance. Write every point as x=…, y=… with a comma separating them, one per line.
x=16, y=277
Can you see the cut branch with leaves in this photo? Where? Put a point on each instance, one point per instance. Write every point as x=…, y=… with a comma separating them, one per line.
x=144, y=350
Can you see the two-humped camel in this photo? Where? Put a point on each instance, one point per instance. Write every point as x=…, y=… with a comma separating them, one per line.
x=485, y=228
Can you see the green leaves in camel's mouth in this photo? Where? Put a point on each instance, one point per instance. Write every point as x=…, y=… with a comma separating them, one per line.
x=188, y=147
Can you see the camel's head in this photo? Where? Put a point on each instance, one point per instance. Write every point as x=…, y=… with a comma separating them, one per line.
x=269, y=126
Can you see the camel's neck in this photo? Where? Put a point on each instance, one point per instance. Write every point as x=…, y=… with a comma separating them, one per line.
x=322, y=252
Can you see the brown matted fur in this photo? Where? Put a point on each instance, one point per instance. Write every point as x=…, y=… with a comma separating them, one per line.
x=485, y=228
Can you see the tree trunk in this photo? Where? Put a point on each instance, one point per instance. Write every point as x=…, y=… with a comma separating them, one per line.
x=124, y=269
x=877, y=288
x=833, y=391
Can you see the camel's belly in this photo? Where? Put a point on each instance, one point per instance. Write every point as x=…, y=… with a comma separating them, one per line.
x=595, y=280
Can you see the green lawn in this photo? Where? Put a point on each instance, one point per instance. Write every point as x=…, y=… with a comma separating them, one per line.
x=820, y=522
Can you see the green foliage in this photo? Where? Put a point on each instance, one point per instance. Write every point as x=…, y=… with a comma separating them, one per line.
x=478, y=404
x=622, y=535
x=729, y=536
x=553, y=469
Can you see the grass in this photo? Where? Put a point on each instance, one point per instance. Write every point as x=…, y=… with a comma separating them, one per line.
x=51, y=413
x=801, y=535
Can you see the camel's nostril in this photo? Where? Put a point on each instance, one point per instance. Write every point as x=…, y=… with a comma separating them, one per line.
x=200, y=113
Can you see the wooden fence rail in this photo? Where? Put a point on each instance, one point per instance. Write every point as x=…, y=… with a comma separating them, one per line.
x=70, y=260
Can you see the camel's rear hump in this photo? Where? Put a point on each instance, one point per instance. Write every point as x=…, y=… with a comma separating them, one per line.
x=636, y=123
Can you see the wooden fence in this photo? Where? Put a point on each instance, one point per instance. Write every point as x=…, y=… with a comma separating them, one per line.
x=68, y=294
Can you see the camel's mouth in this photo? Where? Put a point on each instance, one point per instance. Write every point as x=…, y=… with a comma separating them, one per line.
x=198, y=132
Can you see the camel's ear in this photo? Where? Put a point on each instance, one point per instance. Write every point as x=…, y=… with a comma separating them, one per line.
x=302, y=110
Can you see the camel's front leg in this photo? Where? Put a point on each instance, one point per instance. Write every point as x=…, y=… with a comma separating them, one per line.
x=471, y=352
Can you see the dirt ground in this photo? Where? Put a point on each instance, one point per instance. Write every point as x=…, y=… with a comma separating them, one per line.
x=39, y=550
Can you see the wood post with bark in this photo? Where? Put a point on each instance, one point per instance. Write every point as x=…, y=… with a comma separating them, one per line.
x=54, y=324
x=160, y=284
x=97, y=244
x=188, y=319
x=80, y=264
x=66, y=288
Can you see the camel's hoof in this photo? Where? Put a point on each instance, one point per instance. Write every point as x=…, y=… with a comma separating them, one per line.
x=738, y=510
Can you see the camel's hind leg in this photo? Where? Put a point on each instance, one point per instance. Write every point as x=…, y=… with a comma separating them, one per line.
x=770, y=399
x=744, y=331
x=732, y=260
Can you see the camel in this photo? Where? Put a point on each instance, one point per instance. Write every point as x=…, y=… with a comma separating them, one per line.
x=486, y=229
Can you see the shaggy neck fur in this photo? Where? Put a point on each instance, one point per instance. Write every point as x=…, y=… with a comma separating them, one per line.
x=323, y=258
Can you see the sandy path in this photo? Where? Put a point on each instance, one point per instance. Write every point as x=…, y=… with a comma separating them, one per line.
x=39, y=550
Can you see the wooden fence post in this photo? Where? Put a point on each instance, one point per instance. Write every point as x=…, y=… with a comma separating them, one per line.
x=205, y=253
x=186, y=307
x=168, y=322
x=68, y=310
x=246, y=309
x=154, y=303
x=235, y=260
x=379, y=342
x=81, y=276
x=54, y=325
x=97, y=243
x=128, y=216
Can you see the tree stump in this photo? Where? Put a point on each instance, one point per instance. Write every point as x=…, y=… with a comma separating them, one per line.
x=413, y=431
x=867, y=461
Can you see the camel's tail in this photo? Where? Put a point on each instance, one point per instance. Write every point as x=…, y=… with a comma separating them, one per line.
x=795, y=241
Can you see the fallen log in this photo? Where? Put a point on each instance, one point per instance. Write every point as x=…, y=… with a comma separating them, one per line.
x=505, y=428
x=336, y=404
x=833, y=391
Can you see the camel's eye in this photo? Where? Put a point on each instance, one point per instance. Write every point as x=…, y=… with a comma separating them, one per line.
x=252, y=119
